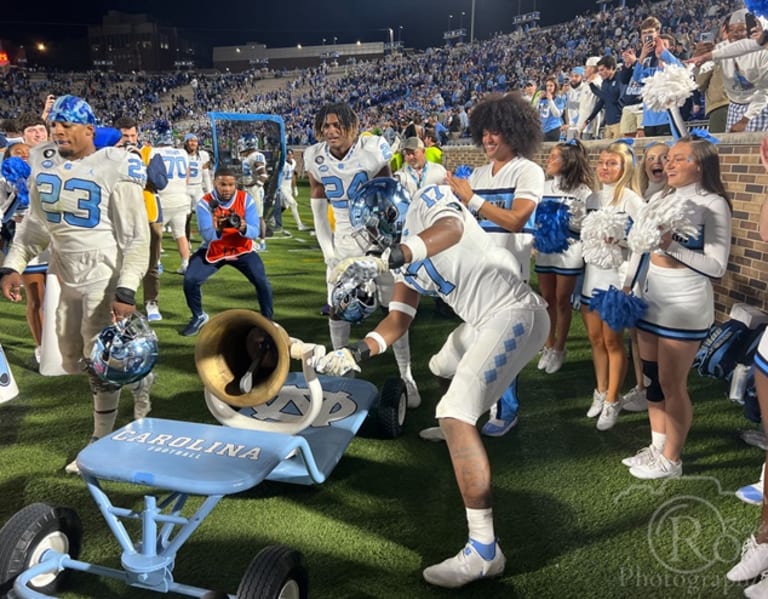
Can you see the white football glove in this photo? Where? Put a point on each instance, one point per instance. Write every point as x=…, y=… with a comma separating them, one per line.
x=337, y=363
x=360, y=269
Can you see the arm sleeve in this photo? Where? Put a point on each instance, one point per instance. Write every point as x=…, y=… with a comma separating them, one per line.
x=252, y=221
x=206, y=180
x=670, y=58
x=735, y=49
x=205, y=222
x=712, y=261
x=131, y=232
x=322, y=226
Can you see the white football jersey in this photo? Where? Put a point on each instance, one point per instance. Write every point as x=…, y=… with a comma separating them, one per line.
x=91, y=212
x=196, y=164
x=518, y=178
x=176, y=160
x=254, y=169
x=364, y=160
x=431, y=174
x=475, y=276
x=288, y=169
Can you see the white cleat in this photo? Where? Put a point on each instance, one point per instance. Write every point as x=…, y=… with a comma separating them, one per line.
x=433, y=433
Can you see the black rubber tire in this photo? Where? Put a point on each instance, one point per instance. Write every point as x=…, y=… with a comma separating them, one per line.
x=24, y=533
x=392, y=407
x=277, y=572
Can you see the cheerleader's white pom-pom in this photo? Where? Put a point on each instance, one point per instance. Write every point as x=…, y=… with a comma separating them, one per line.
x=668, y=87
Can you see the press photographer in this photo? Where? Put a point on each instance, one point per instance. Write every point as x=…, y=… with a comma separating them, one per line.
x=229, y=222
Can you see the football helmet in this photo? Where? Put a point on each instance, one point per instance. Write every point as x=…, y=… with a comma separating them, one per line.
x=246, y=143
x=124, y=352
x=377, y=213
x=354, y=301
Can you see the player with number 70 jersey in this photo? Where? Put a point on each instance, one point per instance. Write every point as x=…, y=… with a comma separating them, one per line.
x=475, y=277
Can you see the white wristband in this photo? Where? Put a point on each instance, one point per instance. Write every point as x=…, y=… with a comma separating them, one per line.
x=475, y=203
x=379, y=341
x=418, y=248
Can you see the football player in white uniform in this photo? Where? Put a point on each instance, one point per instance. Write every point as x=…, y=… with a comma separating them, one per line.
x=254, y=177
x=503, y=195
x=87, y=205
x=173, y=197
x=289, y=190
x=199, y=176
x=445, y=252
x=337, y=167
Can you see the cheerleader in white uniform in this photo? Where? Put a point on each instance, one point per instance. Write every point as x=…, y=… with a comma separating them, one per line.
x=678, y=291
x=571, y=184
x=616, y=175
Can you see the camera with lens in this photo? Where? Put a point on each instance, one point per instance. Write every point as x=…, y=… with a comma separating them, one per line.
x=231, y=220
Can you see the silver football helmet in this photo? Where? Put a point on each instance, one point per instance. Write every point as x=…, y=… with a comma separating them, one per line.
x=124, y=352
x=354, y=301
x=377, y=213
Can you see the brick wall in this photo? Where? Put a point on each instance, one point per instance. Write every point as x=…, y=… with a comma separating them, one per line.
x=747, y=183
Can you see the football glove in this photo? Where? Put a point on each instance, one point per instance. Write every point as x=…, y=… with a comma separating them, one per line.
x=360, y=269
x=337, y=363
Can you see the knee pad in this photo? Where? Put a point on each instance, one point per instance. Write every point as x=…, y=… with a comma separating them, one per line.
x=653, y=390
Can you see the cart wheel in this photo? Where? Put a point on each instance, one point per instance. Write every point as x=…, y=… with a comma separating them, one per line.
x=277, y=572
x=393, y=404
x=27, y=535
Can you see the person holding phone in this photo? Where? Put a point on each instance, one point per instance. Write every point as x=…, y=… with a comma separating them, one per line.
x=744, y=65
x=654, y=54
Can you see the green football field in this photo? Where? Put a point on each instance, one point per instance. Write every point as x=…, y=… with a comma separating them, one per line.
x=571, y=520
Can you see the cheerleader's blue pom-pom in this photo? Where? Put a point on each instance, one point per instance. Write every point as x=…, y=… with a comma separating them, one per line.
x=617, y=309
x=552, y=228
x=463, y=171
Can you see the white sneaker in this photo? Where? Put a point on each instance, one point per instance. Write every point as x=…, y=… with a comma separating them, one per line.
x=412, y=393
x=643, y=456
x=153, y=311
x=608, y=415
x=302, y=228
x=597, y=404
x=464, y=567
x=634, y=401
x=754, y=561
x=142, y=404
x=758, y=590
x=433, y=433
x=556, y=361
x=38, y=354
x=544, y=358
x=658, y=467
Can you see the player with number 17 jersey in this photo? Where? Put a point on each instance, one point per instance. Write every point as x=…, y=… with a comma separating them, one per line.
x=341, y=178
x=474, y=269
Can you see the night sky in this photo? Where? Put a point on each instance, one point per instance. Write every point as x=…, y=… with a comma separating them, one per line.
x=286, y=23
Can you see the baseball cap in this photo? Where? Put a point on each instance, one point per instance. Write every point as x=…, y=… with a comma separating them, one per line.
x=738, y=16
x=189, y=136
x=71, y=109
x=577, y=71
x=592, y=61
x=413, y=143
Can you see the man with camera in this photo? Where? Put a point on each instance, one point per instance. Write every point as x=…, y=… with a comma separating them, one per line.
x=229, y=222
